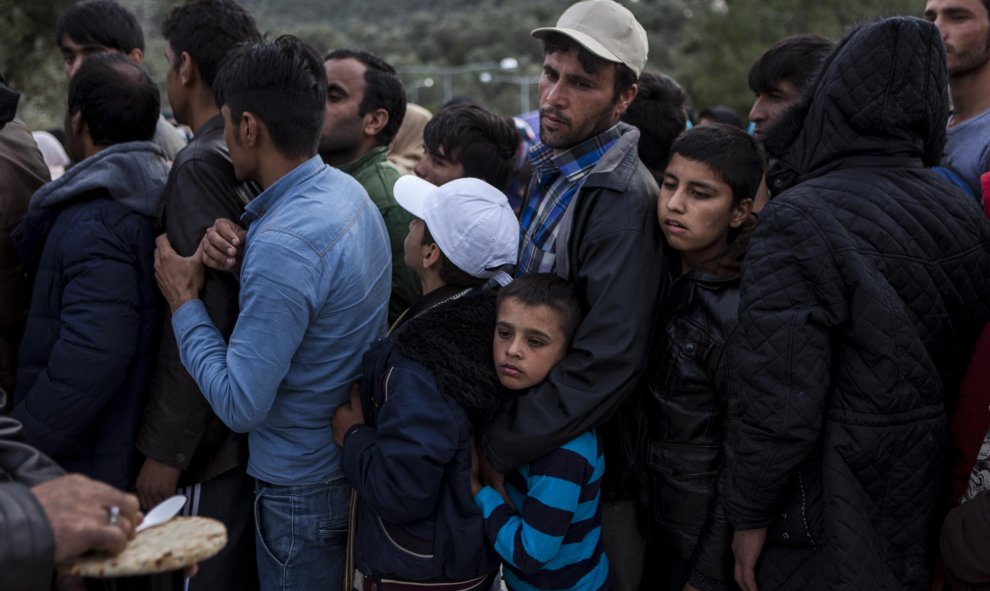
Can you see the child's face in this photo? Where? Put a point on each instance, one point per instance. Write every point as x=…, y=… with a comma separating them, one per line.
x=529, y=341
x=695, y=210
x=438, y=168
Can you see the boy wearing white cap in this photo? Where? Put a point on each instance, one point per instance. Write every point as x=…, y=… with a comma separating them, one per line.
x=425, y=387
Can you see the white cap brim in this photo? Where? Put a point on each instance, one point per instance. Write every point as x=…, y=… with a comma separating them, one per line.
x=582, y=39
x=411, y=193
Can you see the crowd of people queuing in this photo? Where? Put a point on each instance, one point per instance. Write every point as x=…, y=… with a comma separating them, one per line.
x=398, y=351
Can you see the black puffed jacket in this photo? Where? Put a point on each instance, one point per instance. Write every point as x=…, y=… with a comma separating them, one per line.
x=862, y=294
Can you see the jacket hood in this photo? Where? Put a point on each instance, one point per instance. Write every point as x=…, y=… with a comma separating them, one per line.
x=133, y=173
x=454, y=341
x=882, y=91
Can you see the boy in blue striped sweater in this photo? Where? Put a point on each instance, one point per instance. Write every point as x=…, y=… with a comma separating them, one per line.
x=549, y=537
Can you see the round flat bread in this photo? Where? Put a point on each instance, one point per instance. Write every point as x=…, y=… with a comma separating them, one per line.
x=179, y=543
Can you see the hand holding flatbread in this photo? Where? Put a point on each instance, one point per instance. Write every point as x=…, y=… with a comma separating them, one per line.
x=79, y=511
x=181, y=542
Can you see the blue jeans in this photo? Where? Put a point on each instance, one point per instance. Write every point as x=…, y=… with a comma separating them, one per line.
x=301, y=535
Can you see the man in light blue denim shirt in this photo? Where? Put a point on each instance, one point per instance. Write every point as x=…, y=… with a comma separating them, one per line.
x=314, y=293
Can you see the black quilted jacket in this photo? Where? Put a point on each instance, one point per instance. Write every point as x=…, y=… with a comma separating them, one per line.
x=864, y=288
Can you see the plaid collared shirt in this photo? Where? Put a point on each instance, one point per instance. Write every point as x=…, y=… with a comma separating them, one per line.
x=556, y=179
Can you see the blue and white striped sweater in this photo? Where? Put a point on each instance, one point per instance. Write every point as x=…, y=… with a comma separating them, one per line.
x=554, y=541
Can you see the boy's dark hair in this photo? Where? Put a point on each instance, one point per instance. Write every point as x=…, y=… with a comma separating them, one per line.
x=731, y=153
x=483, y=142
x=624, y=76
x=547, y=289
x=282, y=83
x=793, y=59
x=118, y=99
x=658, y=112
x=207, y=30
x=383, y=89
x=100, y=22
x=450, y=273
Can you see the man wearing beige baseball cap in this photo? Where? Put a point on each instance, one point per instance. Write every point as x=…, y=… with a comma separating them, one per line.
x=590, y=217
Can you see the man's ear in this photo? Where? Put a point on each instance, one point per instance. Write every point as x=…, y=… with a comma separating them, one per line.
x=251, y=129
x=137, y=55
x=188, y=71
x=625, y=98
x=375, y=121
x=78, y=125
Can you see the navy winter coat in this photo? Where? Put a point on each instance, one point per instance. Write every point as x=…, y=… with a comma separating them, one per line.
x=411, y=465
x=88, y=243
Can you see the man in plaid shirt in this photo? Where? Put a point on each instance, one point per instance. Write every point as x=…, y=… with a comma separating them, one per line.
x=590, y=217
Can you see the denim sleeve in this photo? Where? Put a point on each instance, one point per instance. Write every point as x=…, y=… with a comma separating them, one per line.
x=282, y=287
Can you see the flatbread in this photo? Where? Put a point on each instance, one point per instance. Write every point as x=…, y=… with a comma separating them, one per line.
x=179, y=543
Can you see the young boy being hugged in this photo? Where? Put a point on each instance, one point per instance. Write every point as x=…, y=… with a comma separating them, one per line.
x=550, y=536
x=425, y=387
x=706, y=200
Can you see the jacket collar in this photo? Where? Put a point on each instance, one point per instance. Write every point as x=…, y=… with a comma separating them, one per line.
x=616, y=168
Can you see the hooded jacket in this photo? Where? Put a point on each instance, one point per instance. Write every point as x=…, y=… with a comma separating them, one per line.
x=422, y=390
x=866, y=282
x=88, y=243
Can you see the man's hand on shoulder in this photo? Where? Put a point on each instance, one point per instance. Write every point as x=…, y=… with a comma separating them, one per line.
x=179, y=278
x=222, y=246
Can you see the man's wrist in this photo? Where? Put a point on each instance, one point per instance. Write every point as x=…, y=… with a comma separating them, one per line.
x=180, y=301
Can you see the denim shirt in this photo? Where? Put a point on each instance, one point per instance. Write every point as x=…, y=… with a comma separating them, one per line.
x=314, y=294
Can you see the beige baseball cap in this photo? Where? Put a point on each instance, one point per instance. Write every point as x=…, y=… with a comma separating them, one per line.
x=606, y=29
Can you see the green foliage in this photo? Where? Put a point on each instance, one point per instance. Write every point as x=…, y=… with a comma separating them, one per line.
x=727, y=36
x=29, y=59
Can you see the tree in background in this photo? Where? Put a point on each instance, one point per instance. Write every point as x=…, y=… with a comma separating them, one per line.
x=707, y=45
x=28, y=57
x=726, y=37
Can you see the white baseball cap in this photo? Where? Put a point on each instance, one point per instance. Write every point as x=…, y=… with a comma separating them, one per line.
x=470, y=220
